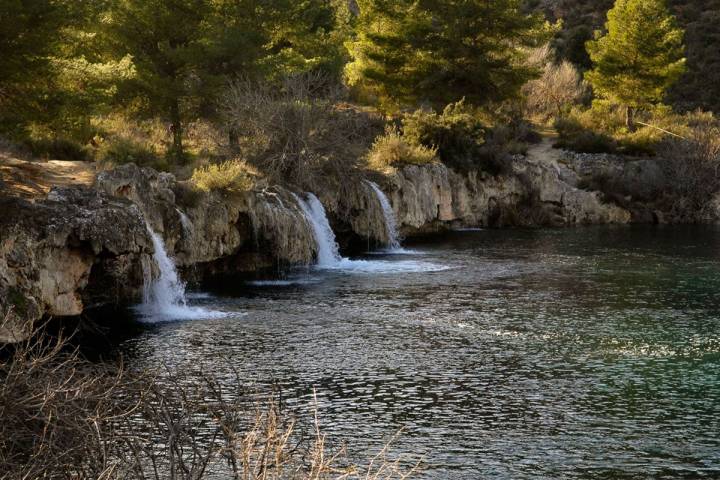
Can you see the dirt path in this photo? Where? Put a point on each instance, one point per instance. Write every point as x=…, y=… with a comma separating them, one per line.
x=544, y=152
x=35, y=178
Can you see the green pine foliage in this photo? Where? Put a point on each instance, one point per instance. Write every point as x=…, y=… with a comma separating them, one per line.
x=640, y=57
x=30, y=36
x=410, y=52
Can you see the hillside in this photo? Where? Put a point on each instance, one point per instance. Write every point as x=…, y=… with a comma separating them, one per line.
x=699, y=88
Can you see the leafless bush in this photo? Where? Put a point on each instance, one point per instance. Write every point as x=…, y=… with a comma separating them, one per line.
x=559, y=87
x=67, y=418
x=693, y=163
x=299, y=133
x=55, y=410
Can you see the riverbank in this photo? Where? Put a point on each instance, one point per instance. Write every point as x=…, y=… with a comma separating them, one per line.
x=102, y=242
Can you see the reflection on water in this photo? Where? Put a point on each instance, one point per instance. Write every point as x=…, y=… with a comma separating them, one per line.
x=588, y=353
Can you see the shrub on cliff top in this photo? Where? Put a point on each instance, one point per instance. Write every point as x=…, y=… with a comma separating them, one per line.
x=456, y=133
x=393, y=150
x=228, y=176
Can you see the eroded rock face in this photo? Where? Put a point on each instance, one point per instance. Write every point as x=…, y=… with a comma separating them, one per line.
x=200, y=228
x=433, y=197
x=85, y=246
x=49, y=250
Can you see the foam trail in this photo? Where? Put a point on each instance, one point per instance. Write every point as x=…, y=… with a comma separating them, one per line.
x=164, y=297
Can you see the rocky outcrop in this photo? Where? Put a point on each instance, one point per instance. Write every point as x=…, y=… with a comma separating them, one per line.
x=431, y=198
x=84, y=246
x=51, y=250
x=201, y=228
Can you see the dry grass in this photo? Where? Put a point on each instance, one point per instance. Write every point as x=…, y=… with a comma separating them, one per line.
x=67, y=418
x=148, y=142
x=393, y=150
x=228, y=176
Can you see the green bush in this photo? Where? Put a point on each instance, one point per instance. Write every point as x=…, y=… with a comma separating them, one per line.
x=393, y=150
x=228, y=176
x=456, y=133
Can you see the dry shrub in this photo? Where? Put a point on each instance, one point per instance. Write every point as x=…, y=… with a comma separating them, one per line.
x=693, y=163
x=300, y=132
x=64, y=417
x=55, y=409
x=227, y=176
x=394, y=150
x=559, y=87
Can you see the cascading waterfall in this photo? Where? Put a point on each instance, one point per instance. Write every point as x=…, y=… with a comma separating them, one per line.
x=389, y=215
x=328, y=254
x=328, y=251
x=186, y=223
x=167, y=291
x=164, y=297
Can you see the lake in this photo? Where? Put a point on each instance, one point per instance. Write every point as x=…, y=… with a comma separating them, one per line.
x=520, y=354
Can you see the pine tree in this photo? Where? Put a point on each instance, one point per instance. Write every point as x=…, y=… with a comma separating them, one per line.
x=639, y=57
x=165, y=40
x=439, y=51
x=185, y=51
x=29, y=36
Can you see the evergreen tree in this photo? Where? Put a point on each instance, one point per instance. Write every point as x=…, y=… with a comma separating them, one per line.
x=440, y=51
x=29, y=36
x=185, y=51
x=166, y=40
x=639, y=57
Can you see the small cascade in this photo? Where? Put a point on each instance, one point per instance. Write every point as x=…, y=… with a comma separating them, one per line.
x=186, y=223
x=390, y=221
x=164, y=297
x=328, y=251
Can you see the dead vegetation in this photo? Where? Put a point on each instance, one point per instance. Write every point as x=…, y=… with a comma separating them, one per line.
x=67, y=418
x=302, y=133
x=693, y=163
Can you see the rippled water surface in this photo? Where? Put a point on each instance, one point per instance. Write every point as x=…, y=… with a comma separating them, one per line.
x=586, y=353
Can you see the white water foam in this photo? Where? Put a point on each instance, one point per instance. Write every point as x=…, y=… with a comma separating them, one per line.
x=329, y=257
x=164, y=298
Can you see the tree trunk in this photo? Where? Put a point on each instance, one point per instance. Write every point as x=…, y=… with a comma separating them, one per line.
x=176, y=128
x=630, y=118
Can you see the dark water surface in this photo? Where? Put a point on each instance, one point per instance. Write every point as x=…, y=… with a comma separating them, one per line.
x=585, y=353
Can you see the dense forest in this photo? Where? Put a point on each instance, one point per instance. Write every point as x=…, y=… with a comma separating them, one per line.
x=288, y=90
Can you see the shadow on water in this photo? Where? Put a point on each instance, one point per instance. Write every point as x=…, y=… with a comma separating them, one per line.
x=583, y=353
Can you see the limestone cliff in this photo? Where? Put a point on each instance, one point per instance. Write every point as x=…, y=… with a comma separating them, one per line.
x=54, y=252
x=86, y=246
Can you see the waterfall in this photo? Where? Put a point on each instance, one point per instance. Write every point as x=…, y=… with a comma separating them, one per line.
x=164, y=296
x=167, y=292
x=390, y=221
x=185, y=222
x=328, y=252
